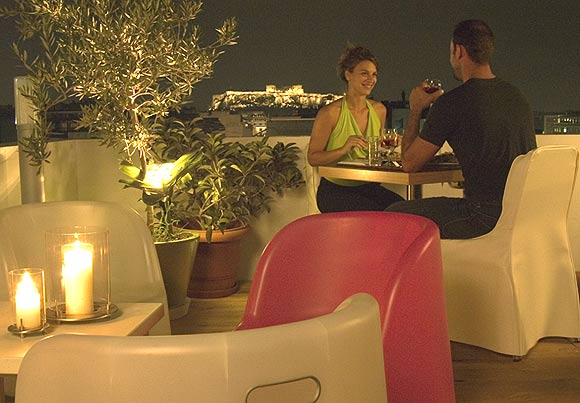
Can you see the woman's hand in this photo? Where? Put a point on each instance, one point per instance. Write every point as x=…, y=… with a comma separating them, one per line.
x=354, y=141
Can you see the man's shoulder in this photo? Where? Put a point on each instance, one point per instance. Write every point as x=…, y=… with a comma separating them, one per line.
x=455, y=93
x=508, y=95
x=490, y=84
x=474, y=89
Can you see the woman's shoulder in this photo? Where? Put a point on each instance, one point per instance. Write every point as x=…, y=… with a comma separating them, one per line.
x=332, y=109
x=377, y=105
x=334, y=105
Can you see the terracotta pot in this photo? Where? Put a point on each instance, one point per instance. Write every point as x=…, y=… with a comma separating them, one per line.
x=216, y=264
x=176, y=259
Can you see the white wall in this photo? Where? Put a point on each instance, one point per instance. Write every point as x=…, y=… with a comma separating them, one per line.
x=85, y=170
x=78, y=170
x=9, y=177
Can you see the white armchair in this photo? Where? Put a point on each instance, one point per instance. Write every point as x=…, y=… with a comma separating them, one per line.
x=134, y=267
x=333, y=358
x=515, y=285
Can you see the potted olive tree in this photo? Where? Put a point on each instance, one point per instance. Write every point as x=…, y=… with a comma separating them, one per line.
x=178, y=249
x=233, y=182
x=132, y=62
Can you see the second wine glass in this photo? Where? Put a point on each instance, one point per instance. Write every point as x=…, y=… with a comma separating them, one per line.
x=390, y=140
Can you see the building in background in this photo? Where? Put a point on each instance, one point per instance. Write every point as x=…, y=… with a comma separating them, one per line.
x=256, y=122
x=562, y=124
x=276, y=112
x=397, y=112
x=290, y=101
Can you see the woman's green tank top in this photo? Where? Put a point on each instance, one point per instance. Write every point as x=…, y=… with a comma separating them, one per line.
x=346, y=127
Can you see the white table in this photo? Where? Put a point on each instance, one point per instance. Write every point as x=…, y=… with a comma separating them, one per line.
x=135, y=319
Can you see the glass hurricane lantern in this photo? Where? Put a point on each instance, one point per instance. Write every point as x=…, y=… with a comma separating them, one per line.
x=78, y=275
x=28, y=301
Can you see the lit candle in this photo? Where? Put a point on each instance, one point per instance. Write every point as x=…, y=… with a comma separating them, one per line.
x=77, y=273
x=27, y=301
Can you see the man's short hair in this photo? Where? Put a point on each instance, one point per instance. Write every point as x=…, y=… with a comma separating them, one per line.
x=477, y=38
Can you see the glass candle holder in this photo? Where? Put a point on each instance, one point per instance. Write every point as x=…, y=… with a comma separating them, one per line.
x=27, y=296
x=78, y=276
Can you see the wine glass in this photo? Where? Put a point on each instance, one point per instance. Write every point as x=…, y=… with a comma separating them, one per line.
x=390, y=139
x=433, y=84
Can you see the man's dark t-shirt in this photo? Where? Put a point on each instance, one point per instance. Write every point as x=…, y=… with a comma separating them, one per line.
x=488, y=123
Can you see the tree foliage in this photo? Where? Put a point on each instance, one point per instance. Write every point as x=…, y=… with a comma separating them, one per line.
x=132, y=60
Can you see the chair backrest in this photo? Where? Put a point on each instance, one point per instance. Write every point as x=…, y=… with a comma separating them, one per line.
x=534, y=218
x=574, y=213
x=537, y=200
x=134, y=267
x=315, y=262
x=538, y=189
x=333, y=358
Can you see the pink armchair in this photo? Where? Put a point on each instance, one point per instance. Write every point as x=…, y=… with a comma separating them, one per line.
x=317, y=261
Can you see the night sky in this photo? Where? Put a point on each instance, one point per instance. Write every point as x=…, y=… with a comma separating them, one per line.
x=298, y=42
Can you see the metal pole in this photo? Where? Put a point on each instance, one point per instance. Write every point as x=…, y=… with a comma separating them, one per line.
x=414, y=192
x=31, y=178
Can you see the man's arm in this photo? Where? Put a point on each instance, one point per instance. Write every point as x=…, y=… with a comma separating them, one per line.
x=416, y=151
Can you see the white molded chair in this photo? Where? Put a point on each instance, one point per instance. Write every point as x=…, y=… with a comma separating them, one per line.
x=312, y=180
x=509, y=288
x=574, y=213
x=134, y=267
x=332, y=358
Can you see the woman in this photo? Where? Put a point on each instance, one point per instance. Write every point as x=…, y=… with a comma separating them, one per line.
x=340, y=132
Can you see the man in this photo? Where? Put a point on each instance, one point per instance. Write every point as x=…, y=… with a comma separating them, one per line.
x=486, y=121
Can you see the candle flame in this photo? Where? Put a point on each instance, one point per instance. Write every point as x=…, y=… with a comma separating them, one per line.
x=26, y=291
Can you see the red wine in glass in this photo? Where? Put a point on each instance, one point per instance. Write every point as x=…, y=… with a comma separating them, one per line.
x=389, y=142
x=432, y=86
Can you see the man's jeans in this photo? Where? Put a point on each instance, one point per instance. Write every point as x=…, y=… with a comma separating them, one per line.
x=457, y=218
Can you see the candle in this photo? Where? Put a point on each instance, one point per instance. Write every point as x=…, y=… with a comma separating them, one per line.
x=27, y=300
x=77, y=273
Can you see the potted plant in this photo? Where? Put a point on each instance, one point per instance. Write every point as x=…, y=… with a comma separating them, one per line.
x=232, y=183
x=176, y=248
x=131, y=62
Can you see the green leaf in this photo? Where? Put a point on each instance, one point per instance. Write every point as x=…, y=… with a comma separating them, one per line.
x=129, y=169
x=151, y=199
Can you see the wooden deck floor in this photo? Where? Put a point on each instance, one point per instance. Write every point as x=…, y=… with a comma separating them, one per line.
x=550, y=372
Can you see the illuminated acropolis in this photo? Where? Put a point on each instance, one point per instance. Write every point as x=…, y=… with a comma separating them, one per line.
x=292, y=97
